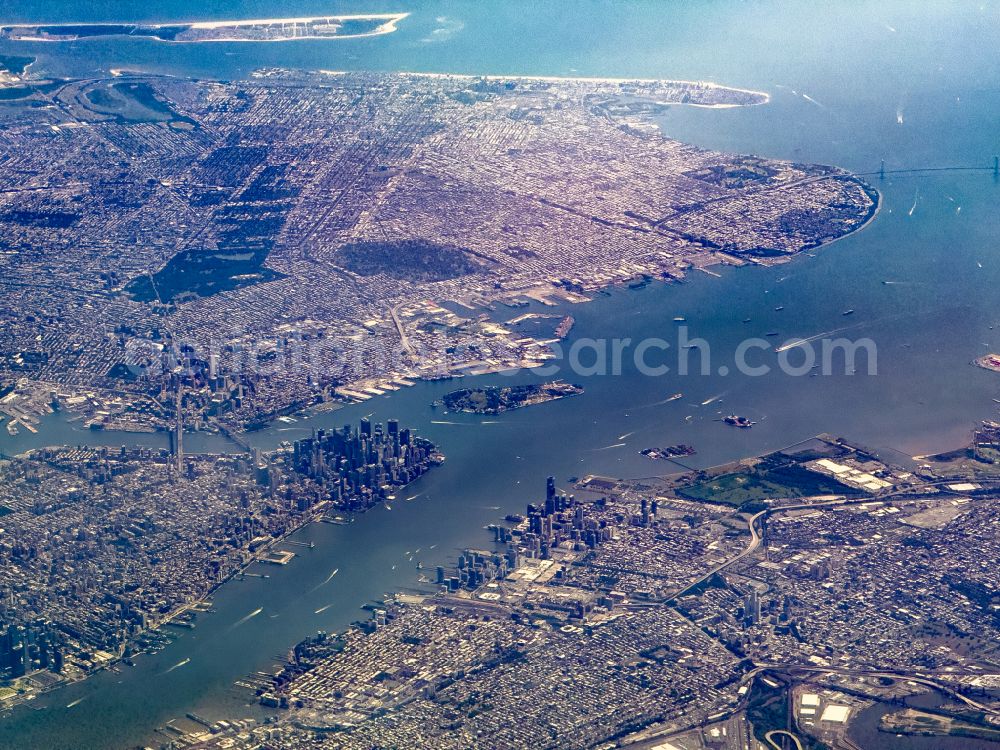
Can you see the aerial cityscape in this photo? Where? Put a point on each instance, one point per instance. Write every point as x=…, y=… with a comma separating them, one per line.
x=454, y=378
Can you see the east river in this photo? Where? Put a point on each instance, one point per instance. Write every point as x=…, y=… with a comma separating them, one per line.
x=913, y=86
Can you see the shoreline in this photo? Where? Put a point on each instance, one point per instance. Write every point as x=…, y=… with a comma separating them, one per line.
x=213, y=24
x=388, y=26
x=872, y=214
x=316, y=515
x=588, y=79
x=360, y=386
x=363, y=387
x=167, y=620
x=716, y=260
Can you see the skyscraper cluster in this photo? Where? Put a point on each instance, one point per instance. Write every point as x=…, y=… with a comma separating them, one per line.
x=357, y=468
x=27, y=648
x=478, y=567
x=560, y=520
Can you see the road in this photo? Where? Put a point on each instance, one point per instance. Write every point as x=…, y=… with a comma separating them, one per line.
x=755, y=542
x=404, y=339
x=774, y=732
x=755, y=538
x=904, y=676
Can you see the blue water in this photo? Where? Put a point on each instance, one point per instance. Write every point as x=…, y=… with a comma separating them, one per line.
x=864, y=68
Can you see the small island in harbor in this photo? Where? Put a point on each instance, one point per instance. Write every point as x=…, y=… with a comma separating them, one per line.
x=671, y=451
x=989, y=362
x=497, y=399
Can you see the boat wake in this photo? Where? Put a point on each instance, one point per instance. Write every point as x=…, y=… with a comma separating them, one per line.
x=247, y=617
x=178, y=665
x=792, y=344
x=326, y=580
x=609, y=447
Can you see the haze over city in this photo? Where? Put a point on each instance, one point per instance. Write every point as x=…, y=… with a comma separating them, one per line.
x=506, y=375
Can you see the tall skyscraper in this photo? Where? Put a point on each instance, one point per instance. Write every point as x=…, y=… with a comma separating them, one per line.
x=751, y=604
x=179, y=428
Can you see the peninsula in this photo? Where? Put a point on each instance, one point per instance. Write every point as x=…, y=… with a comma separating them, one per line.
x=295, y=238
x=259, y=30
x=152, y=533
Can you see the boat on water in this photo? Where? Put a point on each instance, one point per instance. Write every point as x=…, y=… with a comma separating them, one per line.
x=737, y=421
x=848, y=312
x=771, y=333
x=675, y=396
x=679, y=319
x=779, y=308
x=336, y=520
